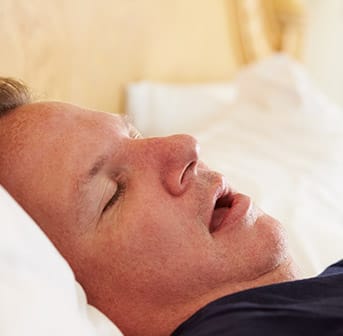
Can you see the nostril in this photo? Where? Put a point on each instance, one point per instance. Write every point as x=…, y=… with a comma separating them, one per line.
x=179, y=157
x=189, y=171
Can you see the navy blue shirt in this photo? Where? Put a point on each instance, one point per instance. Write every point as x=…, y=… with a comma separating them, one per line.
x=311, y=306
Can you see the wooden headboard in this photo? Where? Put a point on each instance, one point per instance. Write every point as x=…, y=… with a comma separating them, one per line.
x=86, y=51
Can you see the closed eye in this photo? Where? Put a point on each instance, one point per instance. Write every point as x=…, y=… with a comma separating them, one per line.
x=119, y=192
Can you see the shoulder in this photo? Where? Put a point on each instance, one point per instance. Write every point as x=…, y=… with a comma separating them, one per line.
x=287, y=308
x=334, y=269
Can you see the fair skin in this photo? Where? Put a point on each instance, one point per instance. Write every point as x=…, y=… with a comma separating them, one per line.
x=154, y=255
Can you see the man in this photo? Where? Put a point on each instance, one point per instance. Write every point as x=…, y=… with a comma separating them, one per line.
x=152, y=234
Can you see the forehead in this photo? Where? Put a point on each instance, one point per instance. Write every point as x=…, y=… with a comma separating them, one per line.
x=58, y=115
x=60, y=122
x=63, y=138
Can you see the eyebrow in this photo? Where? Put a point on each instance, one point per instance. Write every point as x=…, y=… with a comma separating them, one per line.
x=96, y=167
x=87, y=176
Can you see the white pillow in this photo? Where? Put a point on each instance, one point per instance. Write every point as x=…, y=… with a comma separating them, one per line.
x=162, y=109
x=38, y=292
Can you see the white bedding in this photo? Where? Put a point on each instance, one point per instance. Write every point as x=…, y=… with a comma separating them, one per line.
x=270, y=132
x=39, y=295
x=275, y=137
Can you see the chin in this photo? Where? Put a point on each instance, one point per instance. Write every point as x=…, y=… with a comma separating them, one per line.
x=273, y=251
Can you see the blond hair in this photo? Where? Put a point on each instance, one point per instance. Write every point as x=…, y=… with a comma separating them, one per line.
x=13, y=93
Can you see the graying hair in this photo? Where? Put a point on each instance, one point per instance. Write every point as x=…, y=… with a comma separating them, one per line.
x=13, y=93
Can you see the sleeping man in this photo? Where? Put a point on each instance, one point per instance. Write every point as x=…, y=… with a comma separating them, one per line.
x=161, y=244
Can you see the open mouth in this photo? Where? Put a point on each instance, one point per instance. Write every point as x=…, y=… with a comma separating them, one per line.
x=221, y=208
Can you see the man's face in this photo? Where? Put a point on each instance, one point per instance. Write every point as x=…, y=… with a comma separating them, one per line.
x=135, y=216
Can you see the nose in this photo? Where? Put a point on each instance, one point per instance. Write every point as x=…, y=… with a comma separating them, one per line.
x=176, y=158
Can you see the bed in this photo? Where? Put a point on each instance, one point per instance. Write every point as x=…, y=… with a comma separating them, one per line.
x=228, y=72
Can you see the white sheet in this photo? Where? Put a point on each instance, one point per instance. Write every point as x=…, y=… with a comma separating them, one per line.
x=280, y=141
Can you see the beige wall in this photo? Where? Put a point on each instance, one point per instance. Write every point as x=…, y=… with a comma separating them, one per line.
x=85, y=51
x=323, y=53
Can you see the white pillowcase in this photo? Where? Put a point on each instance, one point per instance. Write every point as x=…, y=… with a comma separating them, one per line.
x=162, y=109
x=38, y=292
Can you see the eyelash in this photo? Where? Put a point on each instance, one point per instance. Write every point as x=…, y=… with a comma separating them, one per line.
x=135, y=134
x=119, y=192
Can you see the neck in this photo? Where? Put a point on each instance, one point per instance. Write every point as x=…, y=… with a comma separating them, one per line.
x=163, y=320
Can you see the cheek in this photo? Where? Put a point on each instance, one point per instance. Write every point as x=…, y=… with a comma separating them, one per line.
x=159, y=250
x=159, y=226
x=154, y=236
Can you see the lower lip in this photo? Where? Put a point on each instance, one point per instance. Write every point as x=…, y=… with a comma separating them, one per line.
x=238, y=213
